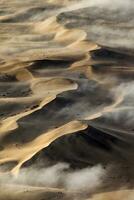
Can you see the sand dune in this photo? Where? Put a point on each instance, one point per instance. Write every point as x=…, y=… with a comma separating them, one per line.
x=66, y=95
x=122, y=194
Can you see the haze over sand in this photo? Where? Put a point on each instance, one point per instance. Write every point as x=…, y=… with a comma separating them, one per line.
x=66, y=100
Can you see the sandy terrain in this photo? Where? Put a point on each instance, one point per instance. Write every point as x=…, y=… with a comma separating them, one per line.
x=66, y=100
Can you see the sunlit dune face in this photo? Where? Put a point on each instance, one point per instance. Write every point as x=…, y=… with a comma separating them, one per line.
x=122, y=194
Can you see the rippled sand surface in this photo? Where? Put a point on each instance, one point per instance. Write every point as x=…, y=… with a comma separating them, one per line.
x=66, y=96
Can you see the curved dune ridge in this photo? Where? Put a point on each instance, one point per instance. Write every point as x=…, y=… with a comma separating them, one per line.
x=66, y=100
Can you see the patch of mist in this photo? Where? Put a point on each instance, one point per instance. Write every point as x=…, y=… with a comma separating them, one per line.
x=59, y=175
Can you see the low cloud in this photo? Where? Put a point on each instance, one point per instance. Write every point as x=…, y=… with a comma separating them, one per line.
x=59, y=175
x=85, y=179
